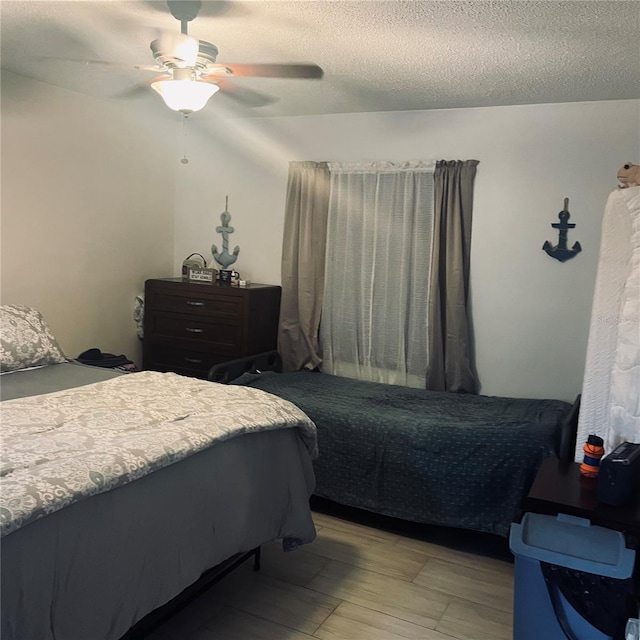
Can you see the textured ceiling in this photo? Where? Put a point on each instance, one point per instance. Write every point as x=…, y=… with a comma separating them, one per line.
x=376, y=55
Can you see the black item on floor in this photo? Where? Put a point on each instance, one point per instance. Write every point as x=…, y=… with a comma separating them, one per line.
x=96, y=358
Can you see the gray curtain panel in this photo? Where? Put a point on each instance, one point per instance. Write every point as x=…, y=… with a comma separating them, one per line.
x=303, y=259
x=450, y=366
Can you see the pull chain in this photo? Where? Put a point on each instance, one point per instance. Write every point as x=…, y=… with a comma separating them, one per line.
x=184, y=160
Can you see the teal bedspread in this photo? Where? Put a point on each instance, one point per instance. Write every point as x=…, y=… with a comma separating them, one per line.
x=437, y=458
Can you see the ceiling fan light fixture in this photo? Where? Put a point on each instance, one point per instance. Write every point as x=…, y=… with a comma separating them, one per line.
x=185, y=95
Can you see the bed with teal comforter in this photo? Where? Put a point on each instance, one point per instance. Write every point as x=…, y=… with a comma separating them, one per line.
x=436, y=458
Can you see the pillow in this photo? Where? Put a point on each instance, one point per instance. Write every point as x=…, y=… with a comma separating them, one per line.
x=25, y=339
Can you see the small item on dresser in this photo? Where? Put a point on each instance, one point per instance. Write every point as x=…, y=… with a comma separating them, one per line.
x=203, y=274
x=192, y=263
x=593, y=451
x=225, y=277
x=619, y=475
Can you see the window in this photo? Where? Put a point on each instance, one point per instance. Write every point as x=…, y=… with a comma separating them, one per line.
x=378, y=255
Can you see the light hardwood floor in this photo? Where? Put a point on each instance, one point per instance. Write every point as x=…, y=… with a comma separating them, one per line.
x=361, y=582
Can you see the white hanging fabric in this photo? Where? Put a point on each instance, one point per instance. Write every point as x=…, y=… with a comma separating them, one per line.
x=379, y=237
x=610, y=404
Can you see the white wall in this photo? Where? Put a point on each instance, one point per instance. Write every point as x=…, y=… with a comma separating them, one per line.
x=531, y=313
x=87, y=211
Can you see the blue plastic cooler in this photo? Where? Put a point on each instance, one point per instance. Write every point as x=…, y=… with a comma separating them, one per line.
x=569, y=542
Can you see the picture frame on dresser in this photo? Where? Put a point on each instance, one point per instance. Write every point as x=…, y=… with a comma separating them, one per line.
x=191, y=326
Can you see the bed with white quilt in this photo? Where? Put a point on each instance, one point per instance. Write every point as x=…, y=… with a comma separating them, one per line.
x=118, y=491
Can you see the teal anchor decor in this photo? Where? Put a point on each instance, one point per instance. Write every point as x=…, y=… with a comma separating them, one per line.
x=560, y=251
x=225, y=259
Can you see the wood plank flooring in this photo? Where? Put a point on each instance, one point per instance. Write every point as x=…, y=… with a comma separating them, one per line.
x=361, y=581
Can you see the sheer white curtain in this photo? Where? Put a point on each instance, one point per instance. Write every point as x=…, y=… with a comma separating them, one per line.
x=379, y=238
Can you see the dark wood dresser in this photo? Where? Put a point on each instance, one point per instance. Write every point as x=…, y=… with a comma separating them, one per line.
x=190, y=326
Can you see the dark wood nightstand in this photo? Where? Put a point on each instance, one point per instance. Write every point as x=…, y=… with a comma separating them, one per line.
x=190, y=326
x=559, y=487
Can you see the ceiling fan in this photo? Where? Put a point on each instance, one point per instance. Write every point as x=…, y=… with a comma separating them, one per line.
x=191, y=75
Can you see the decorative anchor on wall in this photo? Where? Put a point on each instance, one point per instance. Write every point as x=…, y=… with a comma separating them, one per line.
x=560, y=252
x=225, y=259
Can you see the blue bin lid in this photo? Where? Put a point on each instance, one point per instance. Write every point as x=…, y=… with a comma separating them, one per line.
x=572, y=542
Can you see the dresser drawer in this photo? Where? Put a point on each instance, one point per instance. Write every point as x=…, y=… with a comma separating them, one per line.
x=204, y=304
x=215, y=334
x=189, y=362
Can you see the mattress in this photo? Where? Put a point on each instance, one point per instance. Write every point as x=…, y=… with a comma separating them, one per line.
x=55, y=377
x=95, y=567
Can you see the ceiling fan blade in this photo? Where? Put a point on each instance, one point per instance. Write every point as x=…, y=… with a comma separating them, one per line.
x=103, y=63
x=309, y=71
x=136, y=91
x=156, y=68
x=246, y=97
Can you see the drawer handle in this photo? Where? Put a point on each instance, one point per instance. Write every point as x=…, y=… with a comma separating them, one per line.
x=194, y=330
x=193, y=360
x=195, y=303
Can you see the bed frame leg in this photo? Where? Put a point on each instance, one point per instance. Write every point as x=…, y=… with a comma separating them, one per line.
x=256, y=559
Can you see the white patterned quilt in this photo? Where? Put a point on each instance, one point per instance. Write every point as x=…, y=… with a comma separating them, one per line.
x=61, y=447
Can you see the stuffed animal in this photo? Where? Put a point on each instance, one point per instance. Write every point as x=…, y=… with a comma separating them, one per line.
x=629, y=175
